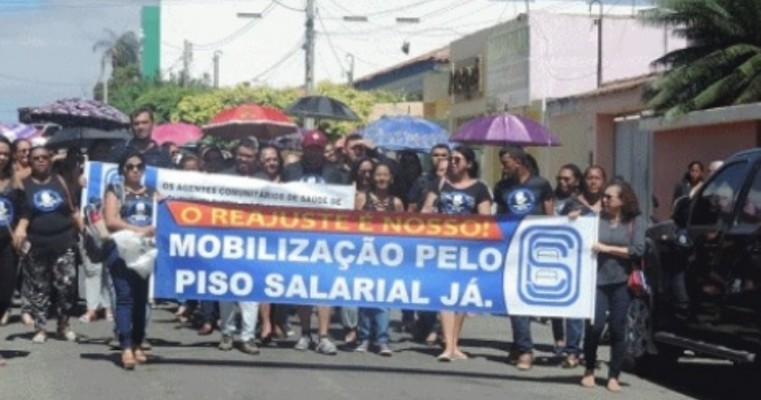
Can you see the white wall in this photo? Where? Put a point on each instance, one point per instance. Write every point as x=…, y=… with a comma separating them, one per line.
x=252, y=48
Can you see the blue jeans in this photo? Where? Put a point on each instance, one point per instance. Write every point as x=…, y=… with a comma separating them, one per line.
x=522, y=334
x=373, y=320
x=612, y=300
x=573, y=331
x=131, y=295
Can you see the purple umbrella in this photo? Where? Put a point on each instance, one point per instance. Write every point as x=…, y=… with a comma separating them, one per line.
x=76, y=112
x=505, y=129
x=18, y=131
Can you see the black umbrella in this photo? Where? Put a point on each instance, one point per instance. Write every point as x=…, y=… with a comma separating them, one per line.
x=83, y=136
x=321, y=107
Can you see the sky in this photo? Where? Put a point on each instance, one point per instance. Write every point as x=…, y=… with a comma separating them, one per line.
x=46, y=46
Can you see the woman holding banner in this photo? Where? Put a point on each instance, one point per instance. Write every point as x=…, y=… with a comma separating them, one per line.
x=129, y=206
x=621, y=241
x=378, y=198
x=461, y=193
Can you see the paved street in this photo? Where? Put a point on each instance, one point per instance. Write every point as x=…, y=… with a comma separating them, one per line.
x=186, y=366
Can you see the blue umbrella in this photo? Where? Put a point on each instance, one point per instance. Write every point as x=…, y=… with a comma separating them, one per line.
x=405, y=132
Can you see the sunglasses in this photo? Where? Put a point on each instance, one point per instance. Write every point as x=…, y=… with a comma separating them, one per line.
x=456, y=160
x=270, y=160
x=41, y=158
x=131, y=167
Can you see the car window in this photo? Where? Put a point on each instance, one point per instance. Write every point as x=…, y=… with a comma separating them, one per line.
x=715, y=202
x=750, y=205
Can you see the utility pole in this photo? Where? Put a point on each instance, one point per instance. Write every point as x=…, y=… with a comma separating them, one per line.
x=217, y=53
x=187, y=57
x=350, y=72
x=106, y=56
x=309, y=57
x=599, y=40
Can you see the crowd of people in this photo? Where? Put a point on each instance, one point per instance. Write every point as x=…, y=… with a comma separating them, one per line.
x=43, y=249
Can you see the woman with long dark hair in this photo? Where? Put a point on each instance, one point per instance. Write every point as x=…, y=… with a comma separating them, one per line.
x=691, y=180
x=461, y=193
x=11, y=208
x=129, y=206
x=621, y=242
x=377, y=198
x=51, y=226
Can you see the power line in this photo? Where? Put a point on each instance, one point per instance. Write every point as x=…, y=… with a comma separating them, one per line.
x=288, y=55
x=289, y=7
x=330, y=43
x=229, y=38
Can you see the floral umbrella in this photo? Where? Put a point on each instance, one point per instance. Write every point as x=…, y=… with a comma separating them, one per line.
x=262, y=122
x=18, y=131
x=179, y=133
x=405, y=132
x=75, y=112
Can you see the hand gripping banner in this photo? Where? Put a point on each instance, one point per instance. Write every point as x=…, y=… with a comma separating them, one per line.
x=482, y=264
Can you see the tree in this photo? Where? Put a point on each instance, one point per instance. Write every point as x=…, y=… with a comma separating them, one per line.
x=721, y=64
x=201, y=108
x=121, y=51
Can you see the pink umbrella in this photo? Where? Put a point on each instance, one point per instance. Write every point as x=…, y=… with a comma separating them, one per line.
x=505, y=129
x=179, y=133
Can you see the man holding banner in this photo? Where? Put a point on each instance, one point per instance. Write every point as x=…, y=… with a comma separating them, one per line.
x=313, y=168
x=245, y=156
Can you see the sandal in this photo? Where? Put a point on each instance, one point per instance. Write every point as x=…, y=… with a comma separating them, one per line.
x=445, y=357
x=140, y=356
x=128, y=360
x=206, y=330
x=571, y=361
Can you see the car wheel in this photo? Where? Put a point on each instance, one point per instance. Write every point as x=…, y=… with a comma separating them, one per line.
x=642, y=355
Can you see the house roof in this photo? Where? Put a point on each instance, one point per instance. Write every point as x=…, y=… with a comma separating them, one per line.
x=440, y=55
x=616, y=86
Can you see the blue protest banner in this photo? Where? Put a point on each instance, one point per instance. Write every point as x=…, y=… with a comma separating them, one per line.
x=534, y=266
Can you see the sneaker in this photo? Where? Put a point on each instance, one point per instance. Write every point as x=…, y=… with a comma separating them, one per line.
x=249, y=347
x=40, y=337
x=525, y=362
x=68, y=335
x=326, y=347
x=384, y=350
x=362, y=347
x=226, y=344
x=303, y=344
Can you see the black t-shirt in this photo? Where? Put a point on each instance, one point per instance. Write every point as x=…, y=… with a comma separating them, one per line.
x=136, y=209
x=12, y=208
x=50, y=222
x=155, y=155
x=515, y=198
x=328, y=173
x=455, y=201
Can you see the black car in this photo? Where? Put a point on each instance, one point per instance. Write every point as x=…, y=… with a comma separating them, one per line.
x=704, y=269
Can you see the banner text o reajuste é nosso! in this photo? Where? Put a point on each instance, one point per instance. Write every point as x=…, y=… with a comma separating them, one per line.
x=484, y=264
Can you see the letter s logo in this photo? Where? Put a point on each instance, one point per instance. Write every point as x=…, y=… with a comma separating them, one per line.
x=549, y=263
